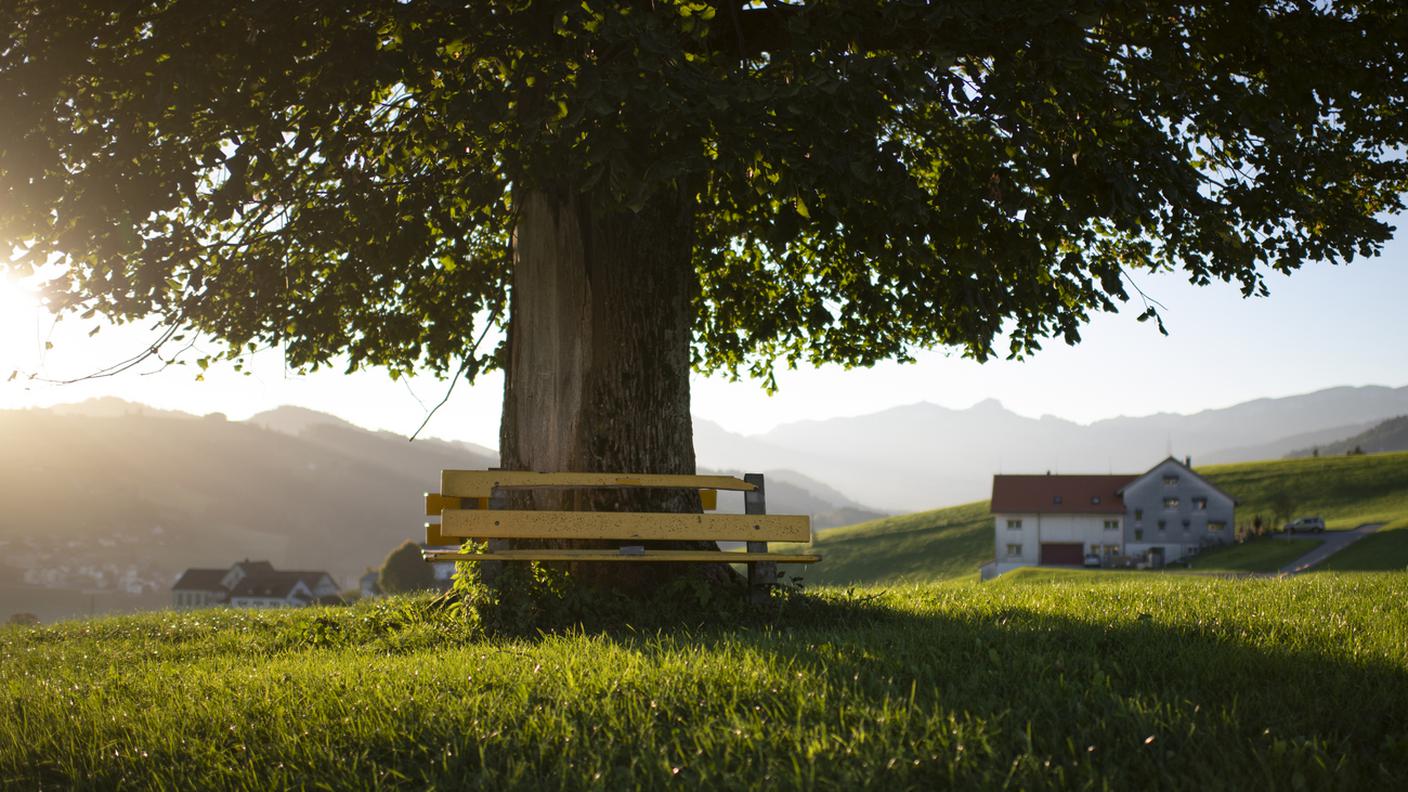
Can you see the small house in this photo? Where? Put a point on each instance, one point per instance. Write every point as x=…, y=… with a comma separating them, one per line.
x=1166, y=513
x=253, y=584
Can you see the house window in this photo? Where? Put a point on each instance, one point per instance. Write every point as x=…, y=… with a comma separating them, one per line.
x=1014, y=525
x=1138, y=514
x=1055, y=498
x=1217, y=526
x=1170, y=503
x=1200, y=504
x=1162, y=524
x=1186, y=522
x=1138, y=534
x=1170, y=481
x=1112, y=525
x=1014, y=550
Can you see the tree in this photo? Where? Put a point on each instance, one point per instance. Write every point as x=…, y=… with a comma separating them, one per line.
x=632, y=189
x=1283, y=503
x=404, y=571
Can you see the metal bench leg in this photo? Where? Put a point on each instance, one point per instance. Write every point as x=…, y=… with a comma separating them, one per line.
x=762, y=575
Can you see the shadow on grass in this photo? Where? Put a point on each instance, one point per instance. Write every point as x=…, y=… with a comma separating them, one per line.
x=940, y=688
x=1143, y=702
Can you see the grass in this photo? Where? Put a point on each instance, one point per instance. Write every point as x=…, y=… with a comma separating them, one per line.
x=1116, y=681
x=1347, y=491
x=1260, y=555
x=1386, y=549
x=913, y=548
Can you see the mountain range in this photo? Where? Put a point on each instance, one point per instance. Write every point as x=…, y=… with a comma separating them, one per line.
x=922, y=456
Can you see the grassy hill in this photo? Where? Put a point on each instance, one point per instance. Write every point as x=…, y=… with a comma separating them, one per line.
x=1391, y=435
x=1346, y=490
x=1083, y=682
x=911, y=548
x=952, y=543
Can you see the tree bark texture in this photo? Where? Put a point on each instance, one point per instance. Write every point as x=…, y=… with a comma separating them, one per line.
x=597, y=376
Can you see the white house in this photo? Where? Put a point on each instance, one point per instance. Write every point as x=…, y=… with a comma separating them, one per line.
x=1172, y=512
x=1046, y=519
x=252, y=584
x=1166, y=513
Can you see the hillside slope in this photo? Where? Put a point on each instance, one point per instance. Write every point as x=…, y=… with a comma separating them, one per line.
x=1347, y=491
x=911, y=548
x=951, y=543
x=124, y=503
x=1391, y=435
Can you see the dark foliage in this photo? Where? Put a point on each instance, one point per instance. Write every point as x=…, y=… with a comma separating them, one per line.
x=404, y=571
x=869, y=177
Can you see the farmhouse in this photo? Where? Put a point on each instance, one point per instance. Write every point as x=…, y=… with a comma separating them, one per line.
x=252, y=584
x=1166, y=513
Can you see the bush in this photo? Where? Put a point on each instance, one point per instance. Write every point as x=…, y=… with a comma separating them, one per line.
x=404, y=571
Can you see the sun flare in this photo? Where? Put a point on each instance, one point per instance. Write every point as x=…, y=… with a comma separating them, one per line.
x=19, y=311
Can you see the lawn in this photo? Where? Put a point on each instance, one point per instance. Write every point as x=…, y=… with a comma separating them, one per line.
x=1387, y=549
x=1259, y=555
x=1118, y=681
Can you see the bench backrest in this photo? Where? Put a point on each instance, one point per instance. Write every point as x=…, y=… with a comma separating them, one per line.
x=464, y=500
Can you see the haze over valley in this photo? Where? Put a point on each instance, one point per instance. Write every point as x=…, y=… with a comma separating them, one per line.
x=108, y=501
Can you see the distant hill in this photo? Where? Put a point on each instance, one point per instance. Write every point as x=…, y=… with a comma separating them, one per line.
x=922, y=455
x=1391, y=435
x=951, y=543
x=123, y=501
x=934, y=545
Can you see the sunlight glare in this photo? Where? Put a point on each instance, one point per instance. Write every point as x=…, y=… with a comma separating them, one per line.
x=19, y=316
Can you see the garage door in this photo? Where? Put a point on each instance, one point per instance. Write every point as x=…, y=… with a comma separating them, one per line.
x=1062, y=553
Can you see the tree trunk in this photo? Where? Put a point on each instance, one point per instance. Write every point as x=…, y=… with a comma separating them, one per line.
x=597, y=377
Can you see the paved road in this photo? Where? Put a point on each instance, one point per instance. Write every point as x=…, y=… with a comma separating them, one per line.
x=1334, y=541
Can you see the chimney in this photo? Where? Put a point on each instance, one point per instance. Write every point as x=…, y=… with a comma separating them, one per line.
x=1188, y=461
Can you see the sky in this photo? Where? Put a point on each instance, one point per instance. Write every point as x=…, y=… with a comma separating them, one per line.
x=1321, y=327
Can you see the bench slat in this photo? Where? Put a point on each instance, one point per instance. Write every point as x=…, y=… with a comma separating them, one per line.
x=436, y=503
x=686, y=556
x=481, y=483
x=625, y=526
x=433, y=537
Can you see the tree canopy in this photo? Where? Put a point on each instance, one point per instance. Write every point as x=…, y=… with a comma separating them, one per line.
x=870, y=176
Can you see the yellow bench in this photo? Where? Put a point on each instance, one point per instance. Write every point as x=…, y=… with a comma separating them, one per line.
x=472, y=504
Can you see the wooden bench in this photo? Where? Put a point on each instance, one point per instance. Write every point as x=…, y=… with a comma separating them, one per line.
x=473, y=504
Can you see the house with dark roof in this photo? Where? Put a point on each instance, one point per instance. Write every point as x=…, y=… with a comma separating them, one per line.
x=1166, y=513
x=253, y=584
x=199, y=588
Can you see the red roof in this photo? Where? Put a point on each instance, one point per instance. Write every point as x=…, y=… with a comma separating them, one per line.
x=1058, y=494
